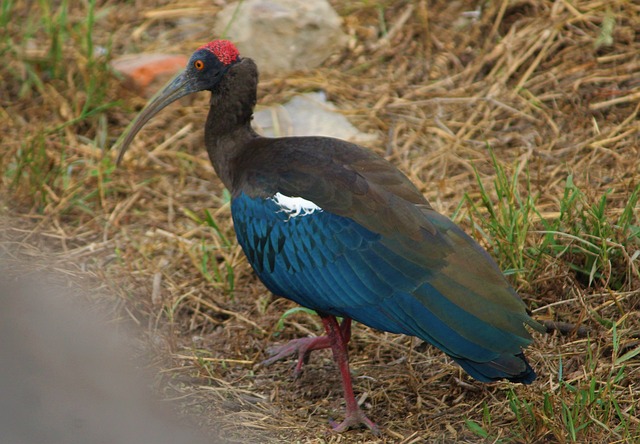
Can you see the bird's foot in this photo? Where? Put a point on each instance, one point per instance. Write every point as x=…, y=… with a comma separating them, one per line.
x=354, y=419
x=301, y=347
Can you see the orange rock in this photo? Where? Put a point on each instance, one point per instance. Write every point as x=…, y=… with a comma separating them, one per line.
x=147, y=72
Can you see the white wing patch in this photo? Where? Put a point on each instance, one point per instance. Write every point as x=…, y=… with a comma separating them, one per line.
x=295, y=206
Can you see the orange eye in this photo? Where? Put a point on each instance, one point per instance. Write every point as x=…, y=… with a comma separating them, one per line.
x=199, y=65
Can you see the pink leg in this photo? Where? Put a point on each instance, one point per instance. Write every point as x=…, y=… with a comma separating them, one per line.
x=304, y=346
x=354, y=415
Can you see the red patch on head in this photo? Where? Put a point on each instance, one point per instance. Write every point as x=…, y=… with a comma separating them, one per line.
x=224, y=50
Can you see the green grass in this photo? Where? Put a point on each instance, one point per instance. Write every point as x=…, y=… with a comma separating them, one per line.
x=596, y=246
x=215, y=262
x=577, y=410
x=504, y=217
x=592, y=406
x=293, y=311
x=599, y=248
x=68, y=70
x=46, y=179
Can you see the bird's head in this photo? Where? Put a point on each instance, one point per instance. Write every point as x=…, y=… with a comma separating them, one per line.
x=206, y=67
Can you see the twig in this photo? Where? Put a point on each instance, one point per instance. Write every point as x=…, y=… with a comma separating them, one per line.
x=200, y=358
x=566, y=328
x=617, y=101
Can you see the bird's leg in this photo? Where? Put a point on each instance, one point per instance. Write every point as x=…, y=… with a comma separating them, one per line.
x=304, y=346
x=338, y=339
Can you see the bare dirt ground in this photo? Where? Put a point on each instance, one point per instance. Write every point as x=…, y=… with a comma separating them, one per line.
x=553, y=88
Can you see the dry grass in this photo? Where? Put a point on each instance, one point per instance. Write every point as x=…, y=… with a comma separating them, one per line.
x=552, y=87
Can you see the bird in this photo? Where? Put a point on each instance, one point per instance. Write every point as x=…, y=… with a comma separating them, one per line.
x=338, y=229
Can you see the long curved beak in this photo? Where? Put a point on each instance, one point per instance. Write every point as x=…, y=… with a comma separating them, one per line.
x=179, y=86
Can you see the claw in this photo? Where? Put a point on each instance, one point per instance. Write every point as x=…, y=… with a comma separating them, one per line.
x=336, y=338
x=301, y=347
x=354, y=419
x=339, y=336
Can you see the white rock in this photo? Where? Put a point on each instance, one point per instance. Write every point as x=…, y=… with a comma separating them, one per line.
x=307, y=115
x=282, y=35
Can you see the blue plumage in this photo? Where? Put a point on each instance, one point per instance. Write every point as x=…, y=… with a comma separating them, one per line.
x=335, y=266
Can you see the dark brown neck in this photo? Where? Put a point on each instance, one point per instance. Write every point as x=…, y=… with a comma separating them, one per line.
x=228, y=128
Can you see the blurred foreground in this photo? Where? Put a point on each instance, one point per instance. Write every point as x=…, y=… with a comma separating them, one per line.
x=66, y=377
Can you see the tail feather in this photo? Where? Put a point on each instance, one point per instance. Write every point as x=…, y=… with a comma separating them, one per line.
x=514, y=368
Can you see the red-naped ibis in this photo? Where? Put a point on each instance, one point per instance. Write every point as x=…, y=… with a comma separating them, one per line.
x=338, y=229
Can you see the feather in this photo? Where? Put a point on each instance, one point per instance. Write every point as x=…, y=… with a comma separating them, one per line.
x=442, y=289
